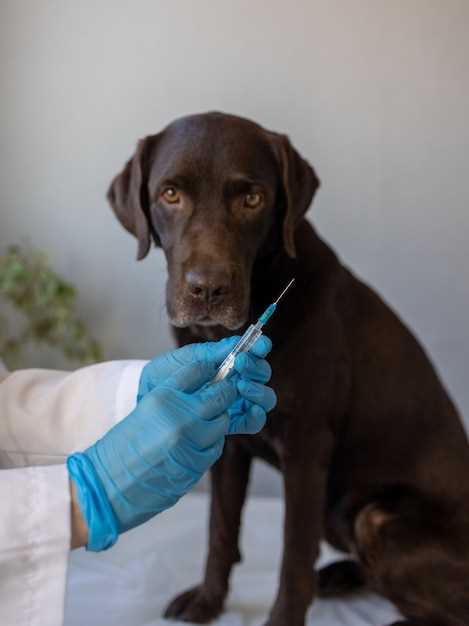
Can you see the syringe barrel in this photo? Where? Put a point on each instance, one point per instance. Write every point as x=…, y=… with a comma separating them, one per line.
x=249, y=338
x=244, y=345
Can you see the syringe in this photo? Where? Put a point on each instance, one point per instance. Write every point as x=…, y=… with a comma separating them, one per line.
x=249, y=338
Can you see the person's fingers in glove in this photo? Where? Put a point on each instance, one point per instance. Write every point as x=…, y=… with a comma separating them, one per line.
x=256, y=393
x=155, y=372
x=261, y=347
x=251, y=367
x=248, y=413
x=246, y=418
x=210, y=402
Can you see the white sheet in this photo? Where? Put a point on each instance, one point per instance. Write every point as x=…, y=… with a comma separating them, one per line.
x=131, y=584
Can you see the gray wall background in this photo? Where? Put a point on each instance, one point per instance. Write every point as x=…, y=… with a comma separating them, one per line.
x=374, y=93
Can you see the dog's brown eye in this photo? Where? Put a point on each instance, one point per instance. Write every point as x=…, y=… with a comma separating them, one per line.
x=253, y=200
x=171, y=195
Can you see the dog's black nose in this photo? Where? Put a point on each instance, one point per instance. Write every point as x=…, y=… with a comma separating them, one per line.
x=208, y=286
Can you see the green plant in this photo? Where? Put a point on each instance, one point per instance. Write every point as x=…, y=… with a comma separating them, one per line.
x=47, y=306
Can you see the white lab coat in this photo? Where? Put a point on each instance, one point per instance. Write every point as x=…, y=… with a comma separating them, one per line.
x=44, y=416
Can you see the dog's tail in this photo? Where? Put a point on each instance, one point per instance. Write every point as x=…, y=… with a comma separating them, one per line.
x=340, y=578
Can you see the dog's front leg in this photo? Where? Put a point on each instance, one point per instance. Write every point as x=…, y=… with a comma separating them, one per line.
x=305, y=476
x=229, y=476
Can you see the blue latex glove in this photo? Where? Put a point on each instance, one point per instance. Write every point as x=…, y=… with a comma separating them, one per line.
x=248, y=413
x=145, y=463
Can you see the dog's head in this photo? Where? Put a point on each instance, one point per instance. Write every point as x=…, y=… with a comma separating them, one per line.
x=216, y=192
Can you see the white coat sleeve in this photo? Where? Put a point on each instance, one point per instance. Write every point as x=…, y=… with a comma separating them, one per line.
x=44, y=416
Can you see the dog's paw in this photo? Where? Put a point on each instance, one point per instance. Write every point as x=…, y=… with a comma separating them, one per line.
x=194, y=605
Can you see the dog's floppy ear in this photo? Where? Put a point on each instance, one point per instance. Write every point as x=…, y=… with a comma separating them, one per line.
x=128, y=195
x=300, y=183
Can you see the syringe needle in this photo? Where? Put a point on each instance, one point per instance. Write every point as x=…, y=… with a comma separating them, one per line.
x=285, y=290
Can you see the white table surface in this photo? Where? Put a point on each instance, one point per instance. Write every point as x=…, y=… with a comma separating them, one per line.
x=131, y=584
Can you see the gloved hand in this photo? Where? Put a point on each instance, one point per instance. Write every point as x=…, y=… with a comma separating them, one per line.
x=145, y=463
x=252, y=371
x=248, y=413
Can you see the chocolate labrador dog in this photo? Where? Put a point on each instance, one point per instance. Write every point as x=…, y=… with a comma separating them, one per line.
x=373, y=454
